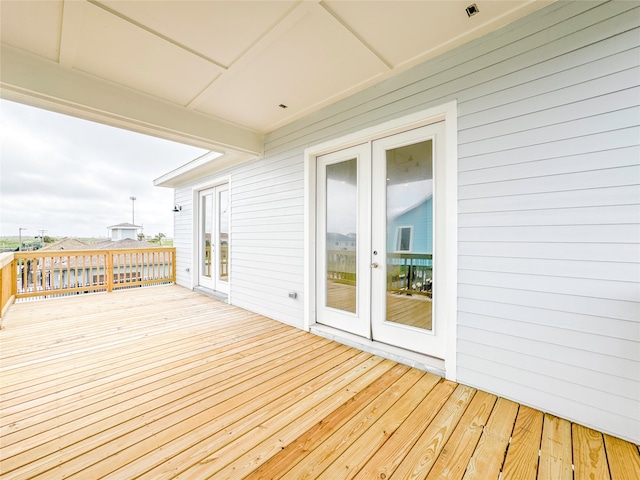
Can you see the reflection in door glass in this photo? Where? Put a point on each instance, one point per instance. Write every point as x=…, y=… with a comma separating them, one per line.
x=207, y=230
x=410, y=235
x=223, y=229
x=342, y=204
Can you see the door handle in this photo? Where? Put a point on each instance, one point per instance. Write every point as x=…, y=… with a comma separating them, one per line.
x=374, y=265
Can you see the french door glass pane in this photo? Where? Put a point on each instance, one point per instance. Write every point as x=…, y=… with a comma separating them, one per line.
x=223, y=229
x=410, y=234
x=341, y=217
x=207, y=231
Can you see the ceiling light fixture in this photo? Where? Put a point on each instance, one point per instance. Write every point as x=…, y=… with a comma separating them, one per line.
x=472, y=10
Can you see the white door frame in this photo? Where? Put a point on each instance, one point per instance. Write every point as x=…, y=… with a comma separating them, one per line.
x=195, y=228
x=447, y=180
x=413, y=338
x=357, y=322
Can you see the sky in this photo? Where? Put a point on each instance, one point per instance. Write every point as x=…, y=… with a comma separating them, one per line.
x=73, y=178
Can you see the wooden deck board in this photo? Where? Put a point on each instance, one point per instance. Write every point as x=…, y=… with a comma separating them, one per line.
x=589, y=456
x=555, y=452
x=453, y=461
x=162, y=383
x=488, y=457
x=315, y=437
x=358, y=448
x=623, y=457
x=425, y=452
x=521, y=462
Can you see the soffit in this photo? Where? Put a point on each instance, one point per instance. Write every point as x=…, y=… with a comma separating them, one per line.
x=235, y=62
x=33, y=26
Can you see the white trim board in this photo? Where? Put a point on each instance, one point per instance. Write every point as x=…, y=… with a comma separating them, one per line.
x=446, y=112
x=195, y=191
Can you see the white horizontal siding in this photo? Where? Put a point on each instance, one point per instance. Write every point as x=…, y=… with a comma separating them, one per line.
x=569, y=321
x=594, y=269
x=266, y=227
x=620, y=391
x=596, y=197
x=267, y=242
x=613, y=157
x=627, y=253
x=540, y=390
x=571, y=83
x=586, y=305
x=182, y=240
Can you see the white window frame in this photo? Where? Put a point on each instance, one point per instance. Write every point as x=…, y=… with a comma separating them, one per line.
x=449, y=113
x=398, y=241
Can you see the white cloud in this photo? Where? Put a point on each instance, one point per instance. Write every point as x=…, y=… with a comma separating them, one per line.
x=71, y=177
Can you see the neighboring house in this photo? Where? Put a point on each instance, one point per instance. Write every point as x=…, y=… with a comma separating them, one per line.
x=338, y=241
x=411, y=230
x=123, y=231
x=530, y=134
x=66, y=244
x=62, y=271
x=410, y=249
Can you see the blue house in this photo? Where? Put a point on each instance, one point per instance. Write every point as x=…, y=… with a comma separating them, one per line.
x=411, y=231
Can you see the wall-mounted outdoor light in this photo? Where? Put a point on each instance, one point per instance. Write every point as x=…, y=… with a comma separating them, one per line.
x=472, y=10
x=177, y=208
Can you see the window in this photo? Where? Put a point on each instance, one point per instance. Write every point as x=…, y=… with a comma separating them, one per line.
x=404, y=239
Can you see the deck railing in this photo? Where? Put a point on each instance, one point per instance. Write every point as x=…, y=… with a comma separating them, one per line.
x=64, y=272
x=409, y=273
x=7, y=293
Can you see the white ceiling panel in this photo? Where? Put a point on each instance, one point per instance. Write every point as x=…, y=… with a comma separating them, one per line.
x=314, y=62
x=220, y=30
x=407, y=32
x=34, y=26
x=111, y=48
x=228, y=63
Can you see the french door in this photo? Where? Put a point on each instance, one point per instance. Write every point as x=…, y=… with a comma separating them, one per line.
x=213, y=238
x=378, y=214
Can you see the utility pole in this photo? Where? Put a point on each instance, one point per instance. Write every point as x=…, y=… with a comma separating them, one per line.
x=42, y=232
x=133, y=210
x=20, y=238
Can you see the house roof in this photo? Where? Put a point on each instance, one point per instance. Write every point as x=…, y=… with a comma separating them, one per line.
x=413, y=206
x=126, y=243
x=125, y=226
x=339, y=237
x=66, y=244
x=221, y=74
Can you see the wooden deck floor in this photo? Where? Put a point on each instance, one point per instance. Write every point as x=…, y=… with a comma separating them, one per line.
x=164, y=383
x=408, y=310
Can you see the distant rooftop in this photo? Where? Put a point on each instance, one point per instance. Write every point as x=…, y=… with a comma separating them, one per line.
x=67, y=244
x=125, y=225
x=75, y=244
x=125, y=243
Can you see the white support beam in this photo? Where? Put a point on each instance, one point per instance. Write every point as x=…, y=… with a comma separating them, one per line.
x=36, y=81
x=72, y=17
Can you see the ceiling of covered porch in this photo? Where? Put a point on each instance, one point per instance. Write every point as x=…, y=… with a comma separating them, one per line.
x=221, y=74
